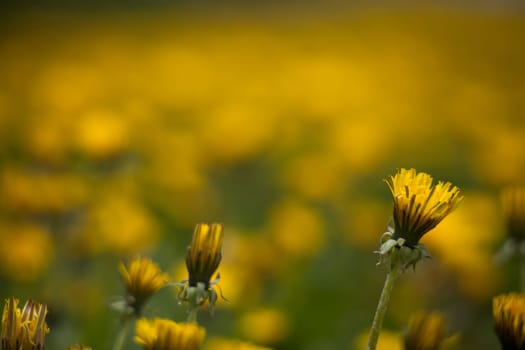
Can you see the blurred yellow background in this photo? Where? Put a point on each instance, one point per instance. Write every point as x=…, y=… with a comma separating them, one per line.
x=120, y=130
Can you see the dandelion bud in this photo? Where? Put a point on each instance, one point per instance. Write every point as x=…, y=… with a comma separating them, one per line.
x=509, y=317
x=426, y=331
x=204, y=253
x=513, y=199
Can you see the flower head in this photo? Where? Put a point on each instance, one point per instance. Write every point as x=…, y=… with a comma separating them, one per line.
x=426, y=331
x=509, y=317
x=232, y=344
x=513, y=199
x=203, y=259
x=142, y=278
x=418, y=205
x=24, y=329
x=389, y=340
x=164, y=334
x=204, y=253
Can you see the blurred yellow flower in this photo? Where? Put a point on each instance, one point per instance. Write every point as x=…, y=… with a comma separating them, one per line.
x=265, y=326
x=348, y=134
x=513, y=199
x=165, y=334
x=361, y=223
x=509, y=317
x=315, y=175
x=297, y=229
x=245, y=123
x=475, y=226
x=165, y=145
x=48, y=140
x=24, y=329
x=53, y=89
x=218, y=343
x=142, y=278
x=426, y=331
x=418, y=205
x=57, y=192
x=26, y=250
x=119, y=223
x=204, y=253
x=254, y=252
x=501, y=157
x=101, y=134
x=387, y=341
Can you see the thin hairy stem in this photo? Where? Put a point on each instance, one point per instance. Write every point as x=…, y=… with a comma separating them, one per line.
x=382, y=306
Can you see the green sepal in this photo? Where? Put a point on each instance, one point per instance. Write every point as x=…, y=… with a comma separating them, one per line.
x=122, y=306
x=510, y=249
x=406, y=256
x=409, y=256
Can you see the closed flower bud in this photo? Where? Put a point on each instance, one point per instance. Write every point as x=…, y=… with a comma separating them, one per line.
x=513, y=199
x=426, y=331
x=204, y=254
x=509, y=318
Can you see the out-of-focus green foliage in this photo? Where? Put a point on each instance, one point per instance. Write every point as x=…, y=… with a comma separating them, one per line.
x=119, y=133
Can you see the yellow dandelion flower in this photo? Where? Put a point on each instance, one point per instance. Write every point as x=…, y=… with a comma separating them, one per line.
x=389, y=341
x=24, y=329
x=218, y=343
x=426, y=331
x=418, y=205
x=142, y=278
x=509, y=317
x=165, y=334
x=26, y=251
x=204, y=253
x=513, y=199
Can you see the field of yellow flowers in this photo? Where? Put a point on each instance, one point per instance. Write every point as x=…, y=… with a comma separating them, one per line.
x=120, y=132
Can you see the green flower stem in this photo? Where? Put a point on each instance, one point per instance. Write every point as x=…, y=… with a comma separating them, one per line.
x=193, y=308
x=192, y=315
x=383, y=300
x=122, y=332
